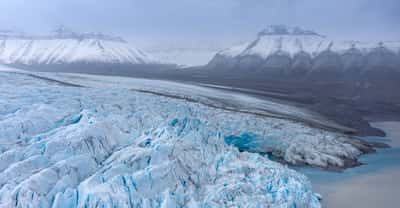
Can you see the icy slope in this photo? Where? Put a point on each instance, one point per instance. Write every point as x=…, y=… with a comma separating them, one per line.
x=208, y=96
x=66, y=146
x=292, y=50
x=66, y=47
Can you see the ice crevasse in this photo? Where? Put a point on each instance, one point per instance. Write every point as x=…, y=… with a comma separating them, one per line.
x=66, y=146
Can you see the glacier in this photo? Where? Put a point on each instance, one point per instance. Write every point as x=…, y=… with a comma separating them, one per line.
x=64, y=145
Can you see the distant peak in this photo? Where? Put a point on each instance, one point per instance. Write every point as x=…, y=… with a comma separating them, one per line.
x=10, y=33
x=60, y=32
x=287, y=30
x=65, y=33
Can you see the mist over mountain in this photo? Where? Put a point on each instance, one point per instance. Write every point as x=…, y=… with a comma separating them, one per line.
x=199, y=104
x=228, y=22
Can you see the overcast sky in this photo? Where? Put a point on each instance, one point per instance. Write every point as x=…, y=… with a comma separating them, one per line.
x=183, y=22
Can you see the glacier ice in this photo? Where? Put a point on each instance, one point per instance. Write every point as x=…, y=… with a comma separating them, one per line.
x=63, y=146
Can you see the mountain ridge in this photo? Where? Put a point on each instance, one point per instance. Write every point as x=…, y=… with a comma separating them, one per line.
x=286, y=50
x=63, y=47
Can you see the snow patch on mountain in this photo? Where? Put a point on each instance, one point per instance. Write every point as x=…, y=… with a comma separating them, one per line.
x=65, y=47
x=290, y=48
x=293, y=40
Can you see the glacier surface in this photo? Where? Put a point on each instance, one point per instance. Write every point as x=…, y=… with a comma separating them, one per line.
x=64, y=146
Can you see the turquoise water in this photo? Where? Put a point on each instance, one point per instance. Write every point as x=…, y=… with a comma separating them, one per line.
x=383, y=159
x=374, y=184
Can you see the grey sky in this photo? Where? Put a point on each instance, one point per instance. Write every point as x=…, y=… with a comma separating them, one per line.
x=216, y=21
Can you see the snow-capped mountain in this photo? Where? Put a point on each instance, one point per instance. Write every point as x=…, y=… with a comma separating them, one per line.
x=66, y=47
x=292, y=50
